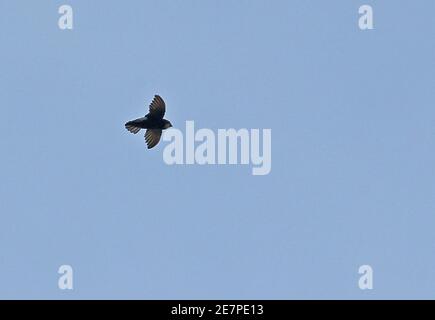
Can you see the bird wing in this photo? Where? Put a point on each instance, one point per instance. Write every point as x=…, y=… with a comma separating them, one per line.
x=157, y=107
x=152, y=137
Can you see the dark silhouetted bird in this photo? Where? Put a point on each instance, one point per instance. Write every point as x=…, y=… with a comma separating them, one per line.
x=153, y=122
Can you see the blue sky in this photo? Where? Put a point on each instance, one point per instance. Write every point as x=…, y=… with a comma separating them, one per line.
x=353, y=150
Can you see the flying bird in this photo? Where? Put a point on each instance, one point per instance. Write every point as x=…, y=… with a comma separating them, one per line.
x=153, y=122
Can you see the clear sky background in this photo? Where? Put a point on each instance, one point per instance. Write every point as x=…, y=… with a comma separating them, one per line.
x=352, y=115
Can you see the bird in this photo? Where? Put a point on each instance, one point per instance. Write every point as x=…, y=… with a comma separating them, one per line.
x=153, y=122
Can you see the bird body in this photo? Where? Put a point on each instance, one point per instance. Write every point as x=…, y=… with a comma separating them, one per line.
x=148, y=123
x=153, y=122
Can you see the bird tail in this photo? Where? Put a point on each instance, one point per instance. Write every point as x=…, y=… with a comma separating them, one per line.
x=131, y=127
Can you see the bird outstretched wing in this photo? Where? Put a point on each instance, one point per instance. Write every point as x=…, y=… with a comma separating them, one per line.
x=152, y=137
x=157, y=107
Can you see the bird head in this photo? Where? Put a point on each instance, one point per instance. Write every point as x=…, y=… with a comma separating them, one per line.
x=167, y=124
